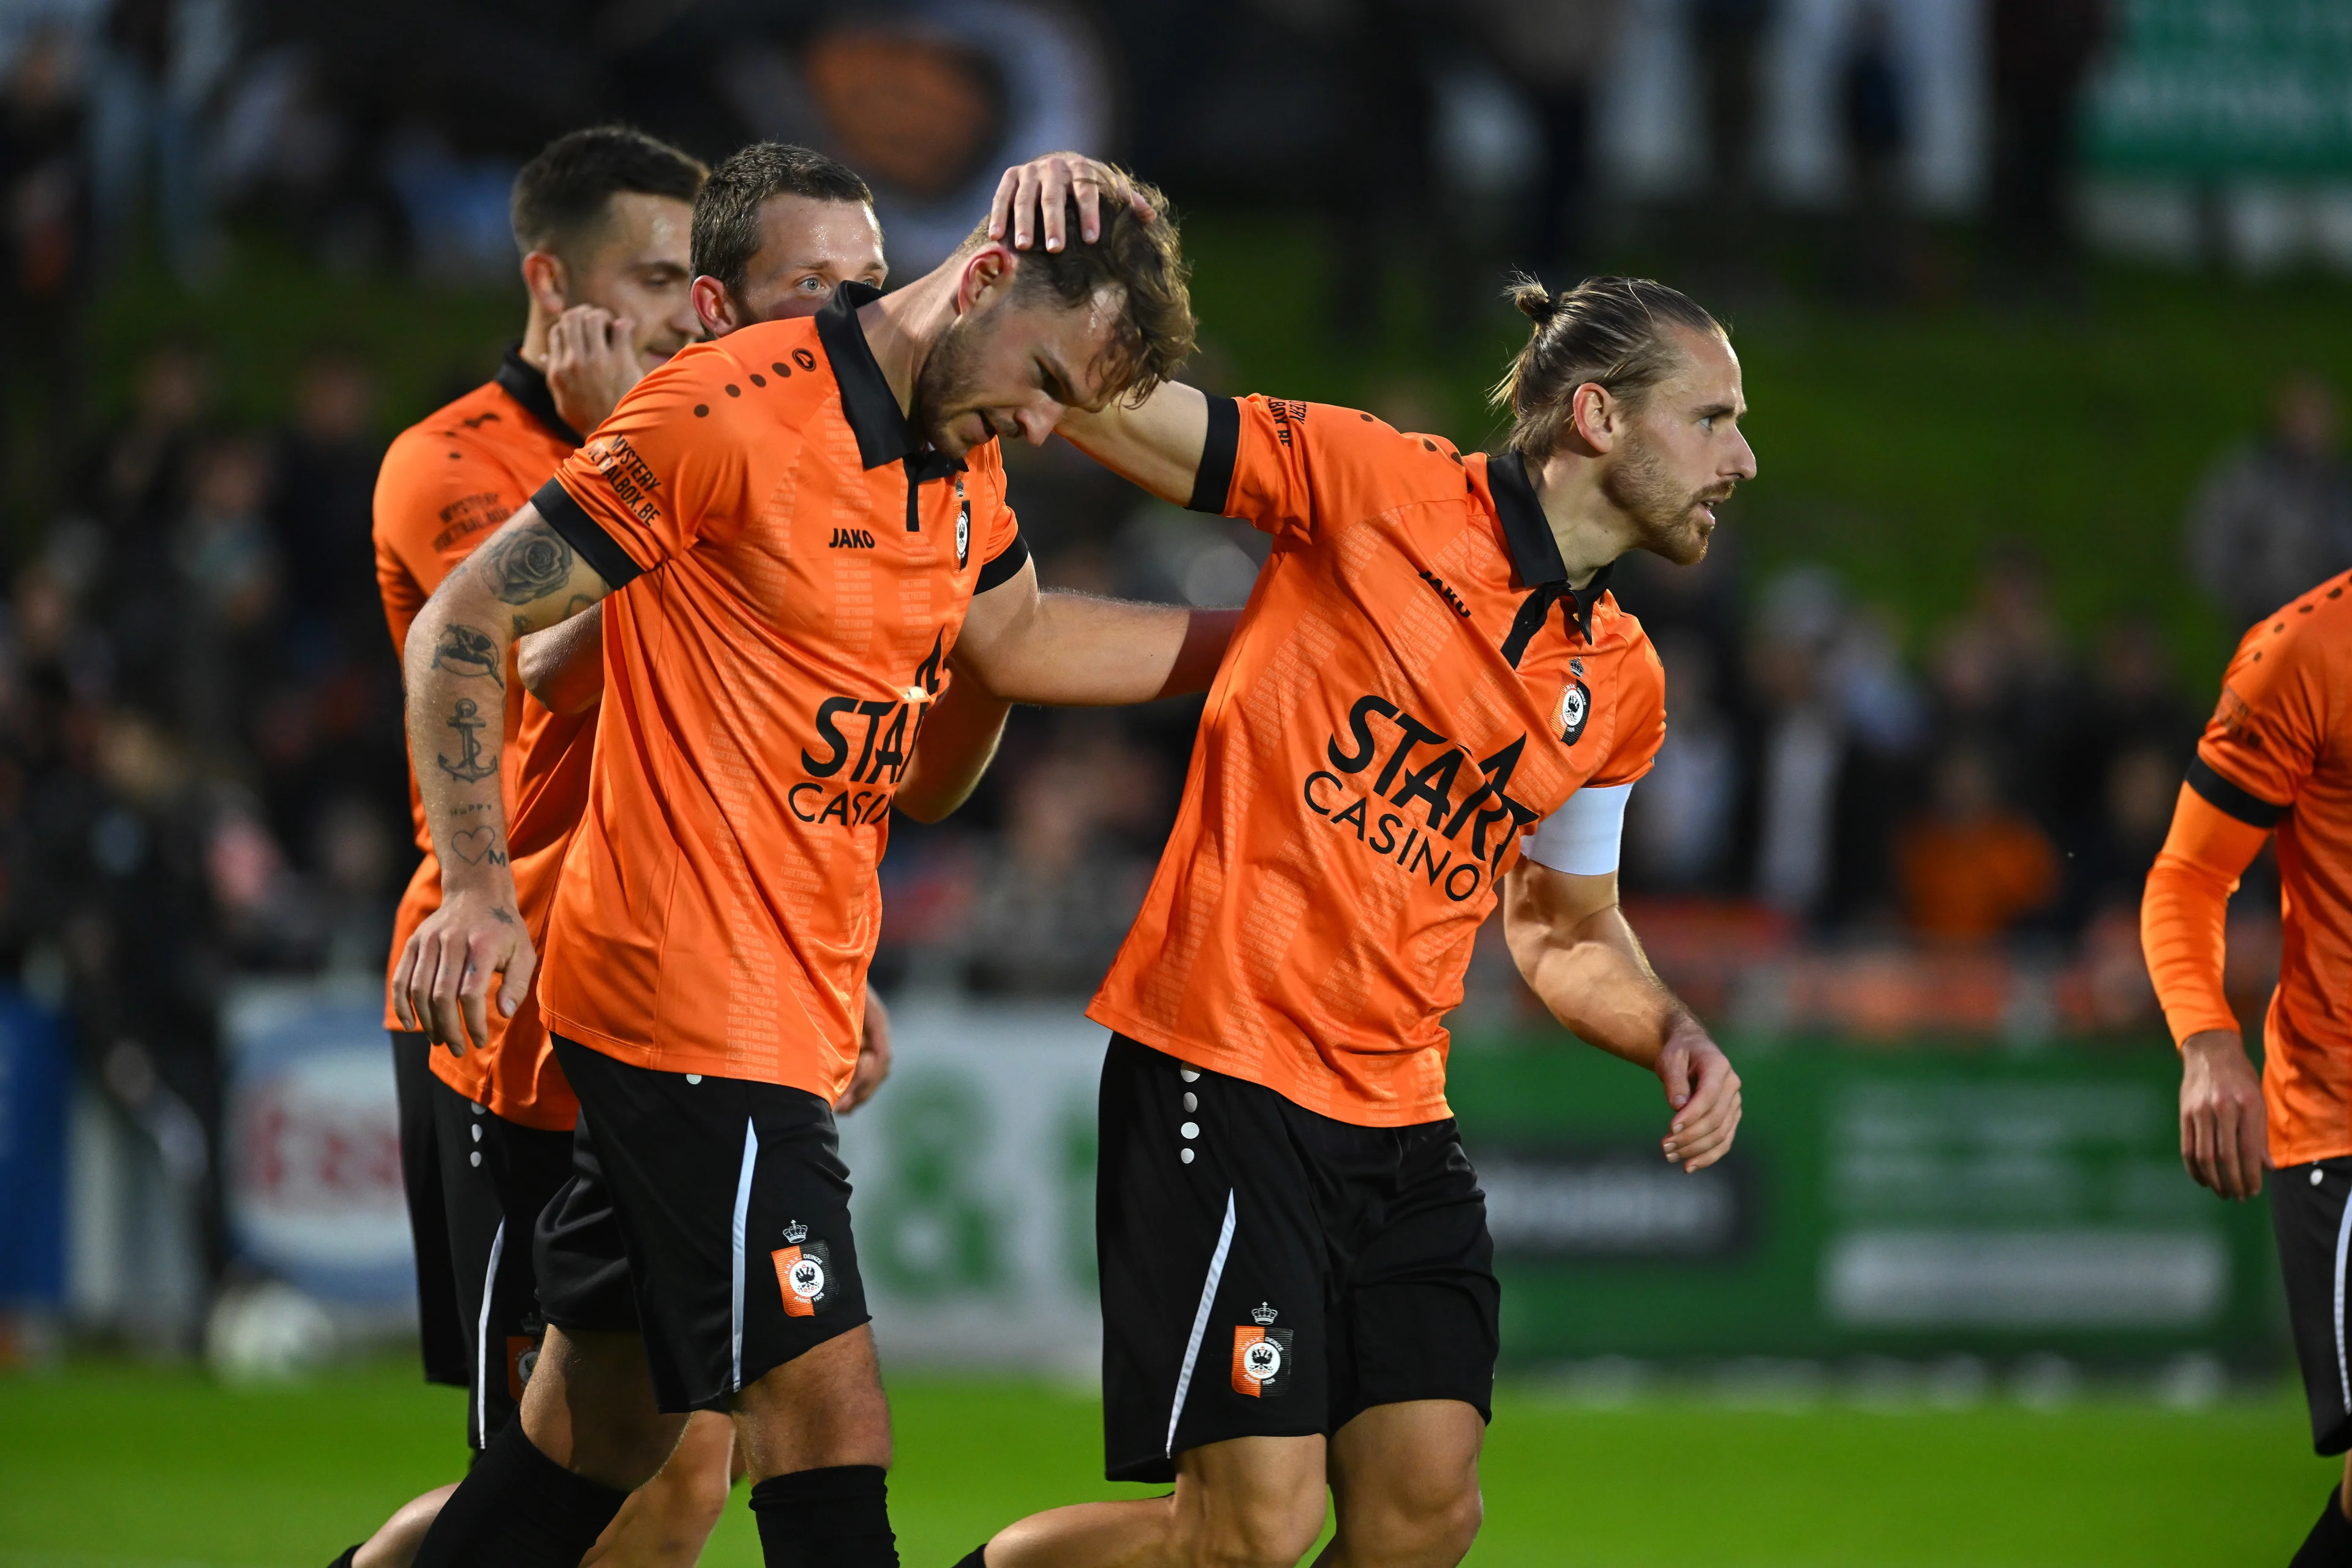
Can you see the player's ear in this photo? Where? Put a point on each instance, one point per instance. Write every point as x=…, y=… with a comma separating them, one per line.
x=713, y=305
x=545, y=276
x=1593, y=416
x=985, y=271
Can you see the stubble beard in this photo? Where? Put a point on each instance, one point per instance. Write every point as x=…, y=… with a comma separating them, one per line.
x=1665, y=517
x=944, y=384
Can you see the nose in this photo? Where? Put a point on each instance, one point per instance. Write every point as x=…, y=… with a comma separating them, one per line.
x=1744, y=461
x=1037, y=419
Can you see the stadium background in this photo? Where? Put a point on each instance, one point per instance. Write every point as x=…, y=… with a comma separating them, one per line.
x=2043, y=308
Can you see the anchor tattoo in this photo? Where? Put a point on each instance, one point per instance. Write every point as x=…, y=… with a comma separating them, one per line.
x=471, y=766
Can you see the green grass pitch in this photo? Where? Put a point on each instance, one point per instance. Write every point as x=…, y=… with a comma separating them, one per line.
x=120, y=1467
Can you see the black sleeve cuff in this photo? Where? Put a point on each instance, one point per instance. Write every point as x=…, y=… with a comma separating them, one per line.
x=1214, y=479
x=1005, y=566
x=2230, y=799
x=584, y=534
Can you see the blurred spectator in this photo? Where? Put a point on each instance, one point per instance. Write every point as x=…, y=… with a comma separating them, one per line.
x=1679, y=819
x=324, y=509
x=1552, y=48
x=1874, y=112
x=140, y=464
x=2274, y=517
x=160, y=65
x=2002, y=682
x=45, y=200
x=1727, y=37
x=229, y=578
x=1828, y=730
x=1972, y=866
x=2042, y=53
x=1057, y=895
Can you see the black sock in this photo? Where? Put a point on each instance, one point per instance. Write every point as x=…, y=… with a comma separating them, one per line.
x=518, y=1508
x=979, y=1558
x=2330, y=1544
x=345, y=1560
x=836, y=1517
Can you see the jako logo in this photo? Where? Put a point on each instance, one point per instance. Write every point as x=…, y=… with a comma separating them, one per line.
x=1445, y=593
x=851, y=539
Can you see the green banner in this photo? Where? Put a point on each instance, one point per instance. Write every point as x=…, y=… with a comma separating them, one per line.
x=2203, y=88
x=1904, y=1204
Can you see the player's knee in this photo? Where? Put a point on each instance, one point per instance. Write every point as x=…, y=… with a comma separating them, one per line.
x=1427, y=1516
x=1271, y=1529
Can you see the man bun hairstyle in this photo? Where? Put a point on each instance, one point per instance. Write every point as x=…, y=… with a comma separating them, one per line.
x=1617, y=333
x=563, y=197
x=1143, y=258
x=726, y=214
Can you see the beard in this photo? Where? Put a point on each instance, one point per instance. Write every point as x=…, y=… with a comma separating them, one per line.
x=944, y=387
x=1667, y=518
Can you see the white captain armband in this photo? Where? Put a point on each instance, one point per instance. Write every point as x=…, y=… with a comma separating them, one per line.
x=1581, y=837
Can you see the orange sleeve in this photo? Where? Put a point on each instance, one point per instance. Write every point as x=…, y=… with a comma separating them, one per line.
x=2185, y=910
x=1642, y=722
x=436, y=497
x=1300, y=468
x=672, y=460
x=2267, y=731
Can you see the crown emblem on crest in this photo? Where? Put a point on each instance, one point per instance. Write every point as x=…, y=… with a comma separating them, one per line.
x=1576, y=666
x=796, y=1233
x=1264, y=1314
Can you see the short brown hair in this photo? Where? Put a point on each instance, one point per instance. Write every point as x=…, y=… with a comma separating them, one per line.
x=727, y=212
x=1613, y=332
x=562, y=195
x=1144, y=260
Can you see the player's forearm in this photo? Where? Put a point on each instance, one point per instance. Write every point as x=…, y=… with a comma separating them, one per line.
x=1595, y=979
x=1158, y=446
x=563, y=666
x=456, y=679
x=1074, y=651
x=958, y=740
x=2184, y=920
x=525, y=578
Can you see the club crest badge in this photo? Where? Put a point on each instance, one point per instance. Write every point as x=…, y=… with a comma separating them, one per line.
x=1262, y=1359
x=1575, y=708
x=803, y=1273
x=963, y=533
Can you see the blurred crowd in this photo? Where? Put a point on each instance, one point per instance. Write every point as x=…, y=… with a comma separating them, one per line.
x=1855, y=824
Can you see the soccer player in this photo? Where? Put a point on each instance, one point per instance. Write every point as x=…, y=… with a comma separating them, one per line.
x=791, y=523
x=2275, y=758
x=602, y=217
x=1430, y=702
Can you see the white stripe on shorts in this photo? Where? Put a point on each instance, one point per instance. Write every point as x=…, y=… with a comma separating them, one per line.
x=1200, y=1320
x=742, y=1214
x=491, y=1286
x=2342, y=1242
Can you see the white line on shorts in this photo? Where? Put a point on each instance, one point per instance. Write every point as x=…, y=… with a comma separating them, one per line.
x=1201, y=1318
x=742, y=1212
x=2343, y=1241
x=491, y=1286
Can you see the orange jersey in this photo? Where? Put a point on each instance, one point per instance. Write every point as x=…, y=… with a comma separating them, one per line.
x=2278, y=751
x=791, y=567
x=1411, y=688
x=447, y=483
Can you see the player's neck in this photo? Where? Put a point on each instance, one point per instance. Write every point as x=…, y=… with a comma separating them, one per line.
x=1590, y=529
x=900, y=328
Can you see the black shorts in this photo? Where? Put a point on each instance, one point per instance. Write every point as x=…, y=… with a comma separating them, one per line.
x=2314, y=1237
x=496, y=1177
x=1268, y=1272
x=437, y=1312
x=711, y=1214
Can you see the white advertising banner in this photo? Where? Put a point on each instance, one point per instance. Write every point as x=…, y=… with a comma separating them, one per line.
x=974, y=1175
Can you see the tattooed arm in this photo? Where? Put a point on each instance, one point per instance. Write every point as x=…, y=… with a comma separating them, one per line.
x=524, y=578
